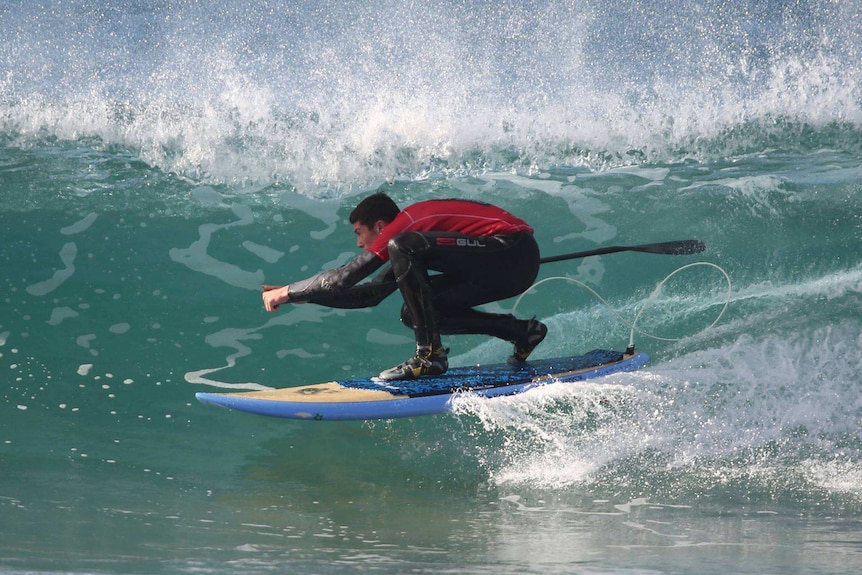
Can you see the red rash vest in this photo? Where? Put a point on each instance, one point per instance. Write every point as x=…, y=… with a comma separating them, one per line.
x=458, y=216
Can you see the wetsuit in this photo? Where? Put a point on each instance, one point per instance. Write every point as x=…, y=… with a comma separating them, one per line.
x=482, y=254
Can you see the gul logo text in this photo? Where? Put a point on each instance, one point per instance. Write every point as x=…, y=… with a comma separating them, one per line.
x=461, y=242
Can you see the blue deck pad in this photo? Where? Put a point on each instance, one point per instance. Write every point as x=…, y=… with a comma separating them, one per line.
x=486, y=376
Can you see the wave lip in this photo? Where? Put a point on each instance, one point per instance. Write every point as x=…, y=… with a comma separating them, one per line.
x=322, y=97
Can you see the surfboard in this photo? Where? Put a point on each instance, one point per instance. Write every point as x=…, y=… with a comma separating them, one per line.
x=373, y=398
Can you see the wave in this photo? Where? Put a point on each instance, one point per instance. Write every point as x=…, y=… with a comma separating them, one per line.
x=324, y=97
x=697, y=425
x=763, y=403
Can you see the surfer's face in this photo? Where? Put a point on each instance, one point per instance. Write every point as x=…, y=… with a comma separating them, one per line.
x=365, y=235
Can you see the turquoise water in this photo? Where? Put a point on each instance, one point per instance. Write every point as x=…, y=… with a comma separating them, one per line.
x=159, y=161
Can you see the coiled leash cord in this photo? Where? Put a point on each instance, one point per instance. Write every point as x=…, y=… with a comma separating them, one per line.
x=653, y=296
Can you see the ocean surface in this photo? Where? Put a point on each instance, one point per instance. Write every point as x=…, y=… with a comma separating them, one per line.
x=161, y=160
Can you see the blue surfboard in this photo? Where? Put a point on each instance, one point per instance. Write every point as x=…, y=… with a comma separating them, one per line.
x=373, y=398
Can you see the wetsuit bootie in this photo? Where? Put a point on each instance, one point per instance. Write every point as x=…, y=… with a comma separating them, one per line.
x=535, y=331
x=425, y=362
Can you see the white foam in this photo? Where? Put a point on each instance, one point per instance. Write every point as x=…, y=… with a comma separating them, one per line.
x=764, y=193
x=794, y=391
x=81, y=225
x=843, y=475
x=58, y=314
x=85, y=340
x=230, y=337
x=67, y=256
x=265, y=253
x=380, y=337
x=583, y=203
x=234, y=338
x=196, y=258
x=207, y=196
x=324, y=210
x=653, y=174
x=120, y=328
x=548, y=445
x=298, y=352
x=569, y=91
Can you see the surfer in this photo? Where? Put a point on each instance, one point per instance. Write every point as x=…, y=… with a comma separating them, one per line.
x=482, y=254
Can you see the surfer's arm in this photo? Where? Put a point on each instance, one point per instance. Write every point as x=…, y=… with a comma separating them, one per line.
x=368, y=294
x=327, y=286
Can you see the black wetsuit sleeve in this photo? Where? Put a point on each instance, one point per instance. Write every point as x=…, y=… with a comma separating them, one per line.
x=337, y=287
x=368, y=294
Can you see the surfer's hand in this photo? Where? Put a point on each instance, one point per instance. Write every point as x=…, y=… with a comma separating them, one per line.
x=274, y=296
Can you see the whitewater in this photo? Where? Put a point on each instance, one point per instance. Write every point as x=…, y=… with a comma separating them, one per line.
x=159, y=161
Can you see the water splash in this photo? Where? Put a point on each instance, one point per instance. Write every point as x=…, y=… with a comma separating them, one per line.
x=778, y=412
x=327, y=97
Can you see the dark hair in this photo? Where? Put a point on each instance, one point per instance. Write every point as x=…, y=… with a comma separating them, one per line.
x=375, y=207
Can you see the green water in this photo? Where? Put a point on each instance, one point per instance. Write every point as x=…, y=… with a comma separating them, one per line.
x=735, y=450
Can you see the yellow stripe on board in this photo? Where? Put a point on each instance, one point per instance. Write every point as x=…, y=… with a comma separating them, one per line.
x=320, y=393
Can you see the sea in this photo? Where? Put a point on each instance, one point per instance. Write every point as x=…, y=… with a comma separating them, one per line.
x=160, y=160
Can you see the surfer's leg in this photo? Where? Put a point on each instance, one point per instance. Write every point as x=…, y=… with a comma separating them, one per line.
x=477, y=271
x=471, y=321
x=411, y=274
x=524, y=334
